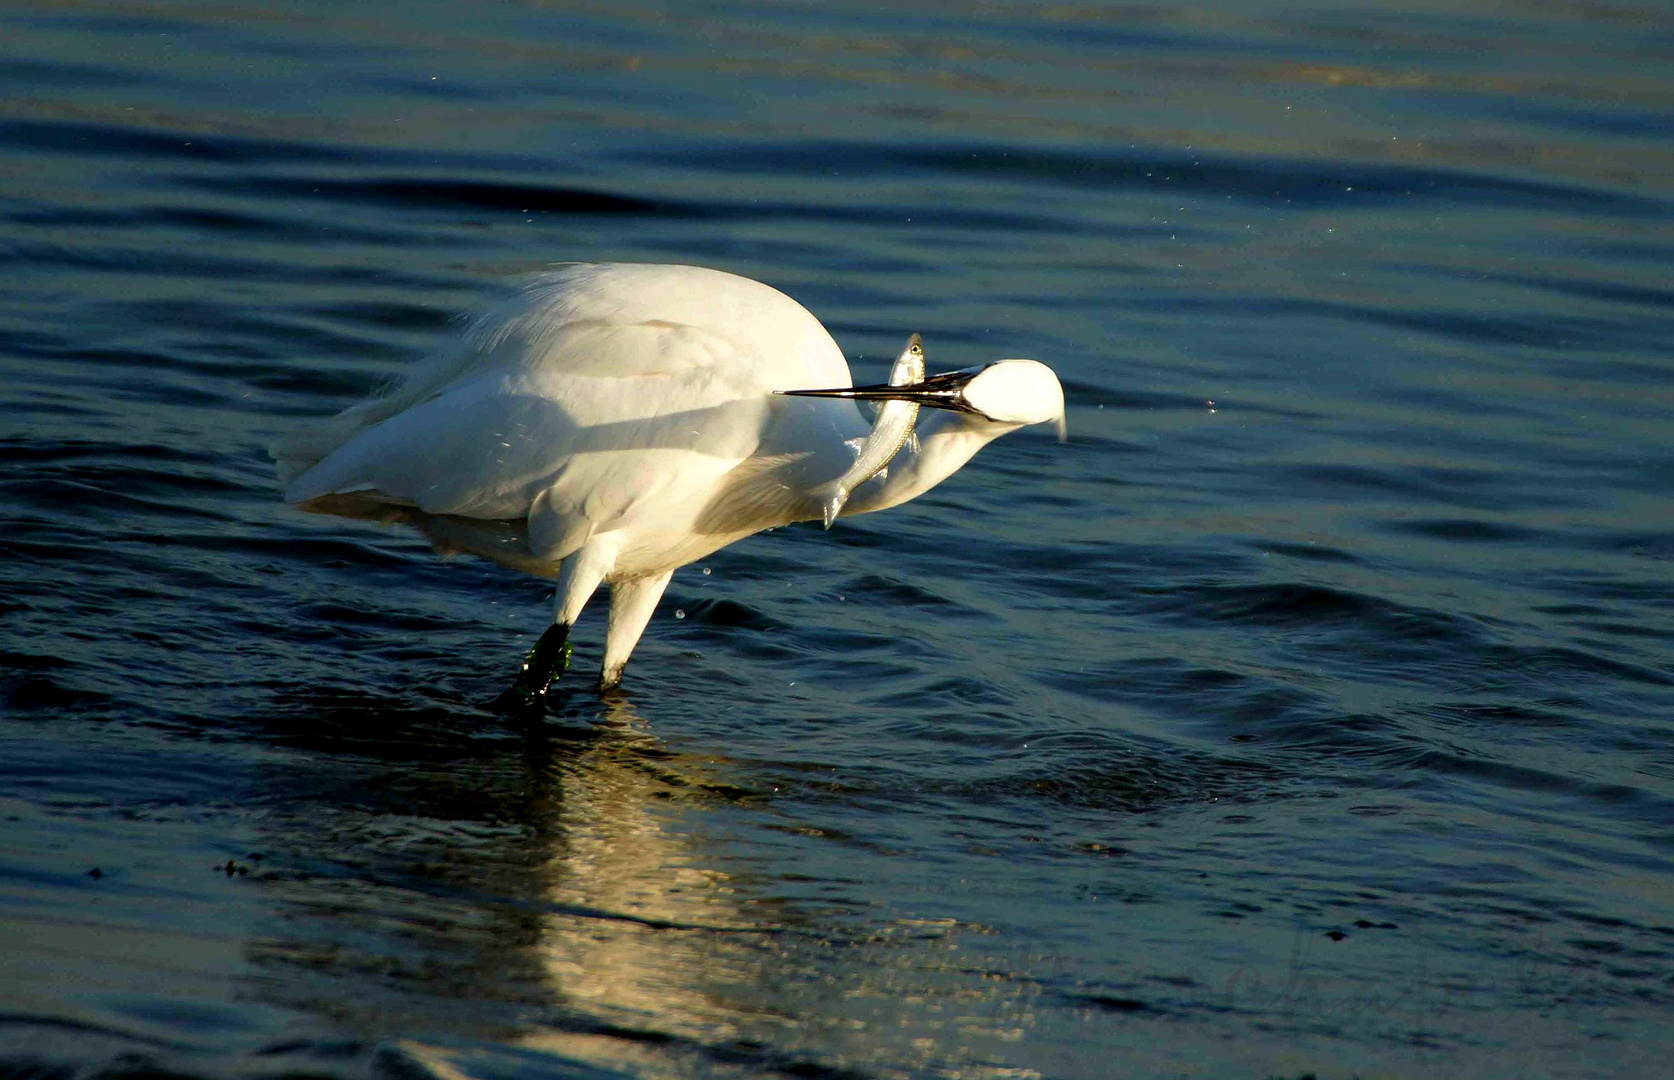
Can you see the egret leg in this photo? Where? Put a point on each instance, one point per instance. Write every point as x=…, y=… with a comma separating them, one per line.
x=631, y=605
x=550, y=658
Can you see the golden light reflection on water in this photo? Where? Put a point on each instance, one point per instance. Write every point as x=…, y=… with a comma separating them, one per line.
x=638, y=926
x=557, y=895
x=689, y=951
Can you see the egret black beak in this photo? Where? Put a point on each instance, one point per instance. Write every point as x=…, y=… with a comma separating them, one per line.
x=944, y=391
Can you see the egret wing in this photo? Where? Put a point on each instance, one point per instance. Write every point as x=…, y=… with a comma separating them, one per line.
x=486, y=444
x=594, y=391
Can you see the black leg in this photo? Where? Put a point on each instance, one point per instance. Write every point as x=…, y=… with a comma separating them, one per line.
x=546, y=661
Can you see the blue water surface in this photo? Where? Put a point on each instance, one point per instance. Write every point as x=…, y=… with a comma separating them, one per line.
x=1309, y=711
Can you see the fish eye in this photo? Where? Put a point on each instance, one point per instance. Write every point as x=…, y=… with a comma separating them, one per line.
x=918, y=350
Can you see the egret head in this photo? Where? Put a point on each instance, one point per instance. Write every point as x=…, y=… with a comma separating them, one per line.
x=1014, y=392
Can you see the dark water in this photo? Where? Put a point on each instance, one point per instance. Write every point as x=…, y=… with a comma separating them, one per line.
x=1326, y=728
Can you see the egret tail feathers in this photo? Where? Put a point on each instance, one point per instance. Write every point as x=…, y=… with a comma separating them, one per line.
x=300, y=451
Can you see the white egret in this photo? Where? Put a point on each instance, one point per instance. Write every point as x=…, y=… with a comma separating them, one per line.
x=614, y=422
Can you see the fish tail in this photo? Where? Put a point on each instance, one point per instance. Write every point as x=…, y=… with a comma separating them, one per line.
x=832, y=497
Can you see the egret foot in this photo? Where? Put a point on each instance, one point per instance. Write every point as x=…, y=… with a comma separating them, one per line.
x=549, y=659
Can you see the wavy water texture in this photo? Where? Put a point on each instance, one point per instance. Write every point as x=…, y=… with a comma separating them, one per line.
x=1307, y=712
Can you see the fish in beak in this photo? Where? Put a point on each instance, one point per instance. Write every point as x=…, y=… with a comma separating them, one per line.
x=944, y=391
x=892, y=430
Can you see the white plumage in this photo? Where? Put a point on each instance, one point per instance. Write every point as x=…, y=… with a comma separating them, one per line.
x=614, y=422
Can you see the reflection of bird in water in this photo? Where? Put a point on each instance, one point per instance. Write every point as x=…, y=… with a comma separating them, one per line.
x=615, y=422
x=542, y=889
x=591, y=893
x=640, y=929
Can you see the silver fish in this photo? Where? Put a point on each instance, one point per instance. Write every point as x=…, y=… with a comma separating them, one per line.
x=892, y=430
